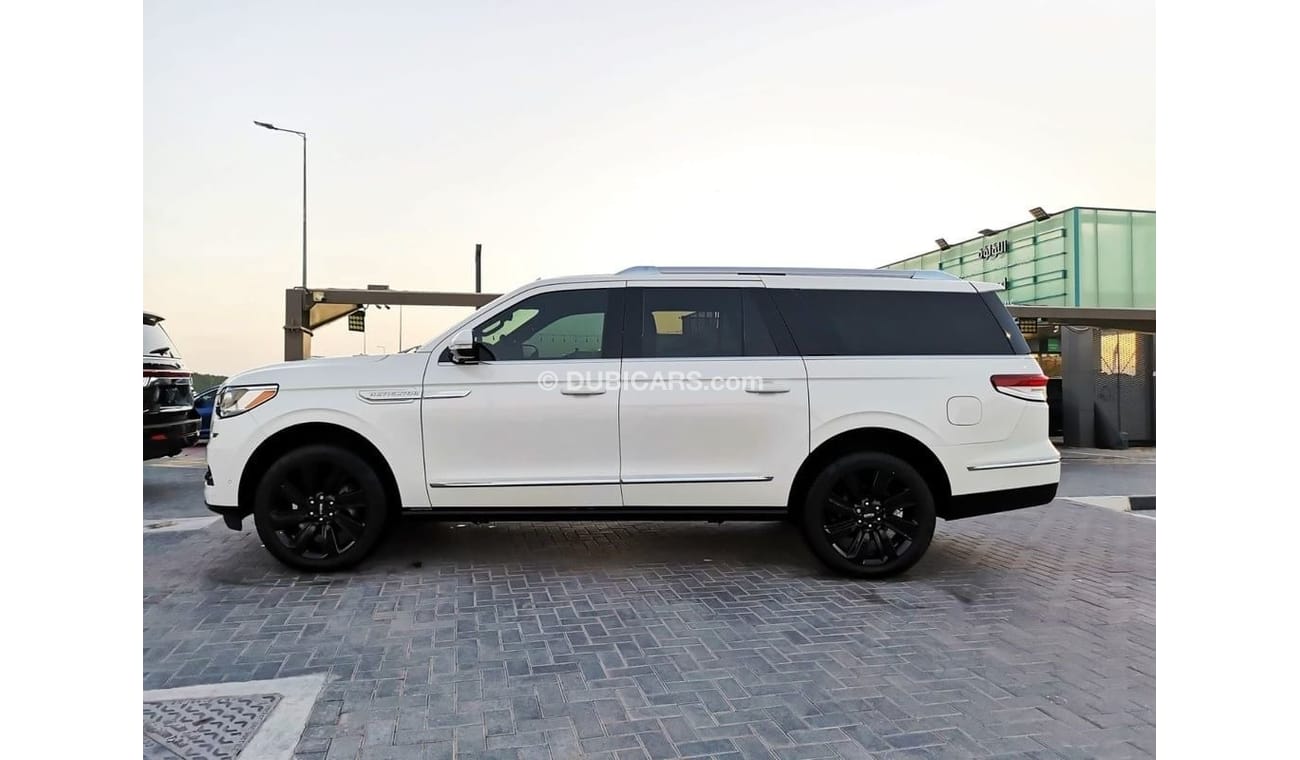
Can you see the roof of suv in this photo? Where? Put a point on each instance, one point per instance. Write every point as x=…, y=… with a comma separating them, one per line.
x=785, y=277
x=814, y=278
x=653, y=272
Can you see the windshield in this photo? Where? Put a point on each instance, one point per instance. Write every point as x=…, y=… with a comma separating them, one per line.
x=157, y=343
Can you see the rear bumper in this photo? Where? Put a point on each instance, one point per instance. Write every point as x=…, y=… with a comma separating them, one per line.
x=165, y=434
x=991, y=502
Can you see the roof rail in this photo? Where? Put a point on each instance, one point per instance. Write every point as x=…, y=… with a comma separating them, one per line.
x=912, y=274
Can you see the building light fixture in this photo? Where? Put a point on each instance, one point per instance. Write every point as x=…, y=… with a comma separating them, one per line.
x=986, y=232
x=1039, y=214
x=943, y=244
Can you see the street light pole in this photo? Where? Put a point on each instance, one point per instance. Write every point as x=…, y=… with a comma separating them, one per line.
x=303, y=135
x=304, y=210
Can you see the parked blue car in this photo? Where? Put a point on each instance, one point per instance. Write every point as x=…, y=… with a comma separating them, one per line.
x=203, y=404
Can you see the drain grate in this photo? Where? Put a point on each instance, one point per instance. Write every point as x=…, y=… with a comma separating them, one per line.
x=213, y=728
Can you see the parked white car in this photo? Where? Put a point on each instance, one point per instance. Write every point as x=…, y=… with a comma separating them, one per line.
x=860, y=404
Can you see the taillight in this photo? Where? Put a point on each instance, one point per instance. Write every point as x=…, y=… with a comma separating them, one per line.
x=1030, y=387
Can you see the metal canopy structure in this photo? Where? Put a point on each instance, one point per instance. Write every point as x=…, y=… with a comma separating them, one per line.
x=308, y=309
x=1137, y=320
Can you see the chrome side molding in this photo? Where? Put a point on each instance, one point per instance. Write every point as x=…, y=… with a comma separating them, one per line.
x=406, y=395
x=602, y=481
x=525, y=483
x=1009, y=465
x=389, y=395
x=458, y=393
x=697, y=479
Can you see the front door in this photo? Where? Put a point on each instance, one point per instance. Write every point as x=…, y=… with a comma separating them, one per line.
x=531, y=424
x=714, y=408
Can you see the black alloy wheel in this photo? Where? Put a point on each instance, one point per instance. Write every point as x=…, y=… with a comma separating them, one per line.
x=869, y=515
x=320, y=507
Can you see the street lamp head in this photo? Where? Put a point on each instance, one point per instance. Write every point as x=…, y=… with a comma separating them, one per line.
x=264, y=125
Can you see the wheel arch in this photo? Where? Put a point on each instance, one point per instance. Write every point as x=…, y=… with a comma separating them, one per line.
x=885, y=440
x=304, y=433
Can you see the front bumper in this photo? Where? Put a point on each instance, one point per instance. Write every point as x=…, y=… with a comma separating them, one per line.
x=226, y=454
x=233, y=516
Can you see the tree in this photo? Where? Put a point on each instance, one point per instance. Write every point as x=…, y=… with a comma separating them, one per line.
x=203, y=382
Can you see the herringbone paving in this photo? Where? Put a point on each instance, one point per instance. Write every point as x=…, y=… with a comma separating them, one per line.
x=1028, y=634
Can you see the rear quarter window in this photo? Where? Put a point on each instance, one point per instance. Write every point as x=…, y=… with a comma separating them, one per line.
x=1006, y=322
x=896, y=323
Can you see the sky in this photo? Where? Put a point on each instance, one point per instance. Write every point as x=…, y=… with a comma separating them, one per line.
x=586, y=137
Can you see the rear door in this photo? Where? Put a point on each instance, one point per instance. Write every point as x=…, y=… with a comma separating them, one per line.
x=714, y=406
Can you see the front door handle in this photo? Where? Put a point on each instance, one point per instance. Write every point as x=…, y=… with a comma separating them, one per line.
x=767, y=387
x=582, y=390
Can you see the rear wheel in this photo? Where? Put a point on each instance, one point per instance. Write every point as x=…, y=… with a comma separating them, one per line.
x=869, y=515
x=320, y=507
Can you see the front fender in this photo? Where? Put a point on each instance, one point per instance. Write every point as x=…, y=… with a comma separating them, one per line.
x=392, y=428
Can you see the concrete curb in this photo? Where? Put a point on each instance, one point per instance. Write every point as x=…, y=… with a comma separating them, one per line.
x=176, y=524
x=1142, y=502
x=279, y=734
x=1117, y=503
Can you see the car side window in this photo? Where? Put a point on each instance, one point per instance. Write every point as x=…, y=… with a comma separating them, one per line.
x=697, y=323
x=892, y=323
x=562, y=324
x=690, y=322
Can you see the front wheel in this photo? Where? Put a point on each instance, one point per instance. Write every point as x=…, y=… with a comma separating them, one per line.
x=320, y=507
x=869, y=515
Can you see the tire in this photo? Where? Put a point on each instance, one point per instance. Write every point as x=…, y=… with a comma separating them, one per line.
x=321, y=508
x=869, y=515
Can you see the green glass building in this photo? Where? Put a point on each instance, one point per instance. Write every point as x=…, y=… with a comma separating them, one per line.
x=1082, y=284
x=1089, y=257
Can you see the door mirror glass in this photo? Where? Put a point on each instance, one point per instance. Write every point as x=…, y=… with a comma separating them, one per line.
x=463, y=349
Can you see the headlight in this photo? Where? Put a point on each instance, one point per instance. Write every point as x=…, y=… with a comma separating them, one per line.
x=238, y=399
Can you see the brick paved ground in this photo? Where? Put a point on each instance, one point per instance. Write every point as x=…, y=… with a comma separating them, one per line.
x=1026, y=634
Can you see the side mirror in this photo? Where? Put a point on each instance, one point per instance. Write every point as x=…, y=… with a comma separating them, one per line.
x=463, y=349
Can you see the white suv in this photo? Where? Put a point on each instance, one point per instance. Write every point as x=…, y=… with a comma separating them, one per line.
x=860, y=404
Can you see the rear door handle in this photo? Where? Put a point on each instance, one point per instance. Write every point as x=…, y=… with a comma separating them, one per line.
x=582, y=390
x=767, y=387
